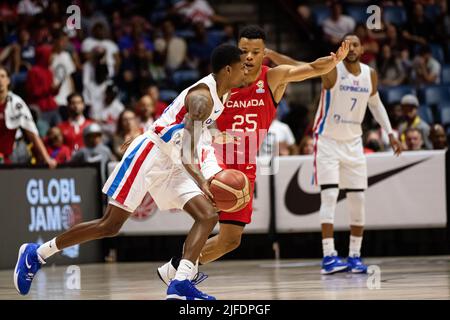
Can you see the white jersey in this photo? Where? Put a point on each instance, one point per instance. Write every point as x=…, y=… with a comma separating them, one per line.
x=152, y=162
x=167, y=131
x=342, y=108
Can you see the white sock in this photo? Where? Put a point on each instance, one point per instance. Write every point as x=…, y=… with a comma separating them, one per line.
x=355, y=246
x=186, y=270
x=328, y=247
x=47, y=249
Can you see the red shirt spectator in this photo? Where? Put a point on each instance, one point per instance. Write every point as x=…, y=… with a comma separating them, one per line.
x=72, y=129
x=145, y=108
x=55, y=147
x=61, y=154
x=160, y=106
x=39, y=83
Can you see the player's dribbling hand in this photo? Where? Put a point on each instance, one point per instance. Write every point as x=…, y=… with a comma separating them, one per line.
x=395, y=144
x=205, y=188
x=225, y=138
x=342, y=52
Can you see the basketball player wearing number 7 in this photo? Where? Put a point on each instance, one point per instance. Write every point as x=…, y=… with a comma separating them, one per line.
x=339, y=159
x=247, y=116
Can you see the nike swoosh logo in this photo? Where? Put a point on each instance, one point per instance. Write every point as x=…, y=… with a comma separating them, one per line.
x=299, y=202
x=215, y=111
x=26, y=262
x=249, y=167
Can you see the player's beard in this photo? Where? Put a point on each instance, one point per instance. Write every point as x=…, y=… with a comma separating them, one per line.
x=352, y=60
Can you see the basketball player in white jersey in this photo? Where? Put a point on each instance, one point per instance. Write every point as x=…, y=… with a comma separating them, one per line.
x=339, y=161
x=163, y=161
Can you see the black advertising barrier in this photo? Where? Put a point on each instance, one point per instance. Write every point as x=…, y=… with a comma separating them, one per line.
x=37, y=203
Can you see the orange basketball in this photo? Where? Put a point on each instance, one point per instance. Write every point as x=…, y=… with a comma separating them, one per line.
x=231, y=190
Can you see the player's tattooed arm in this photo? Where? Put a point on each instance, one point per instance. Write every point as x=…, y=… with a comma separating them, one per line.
x=198, y=104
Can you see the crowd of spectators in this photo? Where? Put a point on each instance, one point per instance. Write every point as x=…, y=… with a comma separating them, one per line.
x=91, y=89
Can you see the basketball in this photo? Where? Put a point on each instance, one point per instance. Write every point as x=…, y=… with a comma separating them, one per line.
x=231, y=190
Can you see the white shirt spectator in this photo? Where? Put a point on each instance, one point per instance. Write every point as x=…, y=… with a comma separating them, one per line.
x=93, y=92
x=176, y=51
x=62, y=67
x=197, y=11
x=110, y=48
x=109, y=116
x=339, y=28
x=29, y=8
x=279, y=132
x=434, y=68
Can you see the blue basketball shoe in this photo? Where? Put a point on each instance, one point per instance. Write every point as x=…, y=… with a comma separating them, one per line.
x=333, y=264
x=168, y=271
x=28, y=264
x=355, y=265
x=185, y=290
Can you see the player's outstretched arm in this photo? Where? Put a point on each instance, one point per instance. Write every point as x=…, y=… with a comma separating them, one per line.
x=293, y=73
x=198, y=104
x=279, y=58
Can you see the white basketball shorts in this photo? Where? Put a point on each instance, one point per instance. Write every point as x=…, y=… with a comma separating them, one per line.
x=340, y=162
x=145, y=168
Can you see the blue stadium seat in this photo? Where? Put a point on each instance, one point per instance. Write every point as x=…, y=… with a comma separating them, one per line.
x=426, y=114
x=436, y=94
x=158, y=15
x=185, y=33
x=444, y=113
x=436, y=51
x=216, y=36
x=432, y=11
x=448, y=50
x=395, y=15
x=358, y=13
x=168, y=95
x=320, y=13
x=185, y=77
x=391, y=95
x=445, y=75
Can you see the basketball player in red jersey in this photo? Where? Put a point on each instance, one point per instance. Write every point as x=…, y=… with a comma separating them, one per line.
x=247, y=117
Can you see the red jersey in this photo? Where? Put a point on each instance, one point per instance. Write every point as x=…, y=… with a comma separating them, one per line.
x=247, y=115
x=7, y=136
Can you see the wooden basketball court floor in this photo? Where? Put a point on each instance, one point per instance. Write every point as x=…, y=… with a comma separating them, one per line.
x=400, y=278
